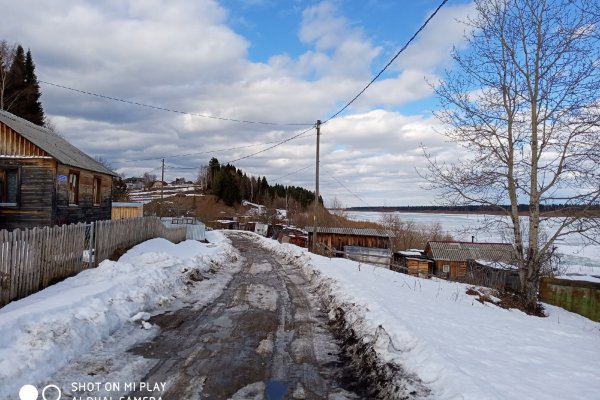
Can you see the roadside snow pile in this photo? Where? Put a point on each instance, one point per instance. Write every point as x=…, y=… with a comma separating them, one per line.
x=456, y=346
x=45, y=331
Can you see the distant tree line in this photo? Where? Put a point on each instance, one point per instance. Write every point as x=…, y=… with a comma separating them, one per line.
x=232, y=185
x=523, y=208
x=19, y=87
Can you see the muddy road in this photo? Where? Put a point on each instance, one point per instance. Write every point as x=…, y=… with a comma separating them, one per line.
x=265, y=337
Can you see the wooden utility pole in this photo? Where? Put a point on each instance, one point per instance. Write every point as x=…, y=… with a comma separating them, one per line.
x=314, y=244
x=162, y=187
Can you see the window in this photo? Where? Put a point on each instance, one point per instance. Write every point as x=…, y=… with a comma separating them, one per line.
x=9, y=186
x=96, y=192
x=446, y=268
x=73, y=187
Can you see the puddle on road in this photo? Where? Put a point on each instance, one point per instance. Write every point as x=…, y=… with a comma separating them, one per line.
x=275, y=390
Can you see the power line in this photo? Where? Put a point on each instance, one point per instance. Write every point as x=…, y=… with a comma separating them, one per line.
x=345, y=187
x=272, y=147
x=291, y=173
x=135, y=103
x=389, y=63
x=194, y=154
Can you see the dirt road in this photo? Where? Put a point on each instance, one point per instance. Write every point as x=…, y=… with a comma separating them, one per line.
x=265, y=337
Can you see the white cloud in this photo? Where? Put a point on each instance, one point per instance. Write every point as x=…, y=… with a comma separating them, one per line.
x=184, y=56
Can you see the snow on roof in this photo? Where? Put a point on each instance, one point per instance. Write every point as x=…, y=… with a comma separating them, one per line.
x=409, y=253
x=574, y=276
x=496, y=264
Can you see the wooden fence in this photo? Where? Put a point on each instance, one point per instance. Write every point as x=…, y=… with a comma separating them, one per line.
x=580, y=297
x=33, y=259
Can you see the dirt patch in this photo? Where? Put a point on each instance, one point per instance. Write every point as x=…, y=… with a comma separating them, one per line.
x=376, y=379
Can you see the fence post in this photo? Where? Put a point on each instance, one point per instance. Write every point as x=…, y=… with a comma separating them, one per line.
x=92, y=249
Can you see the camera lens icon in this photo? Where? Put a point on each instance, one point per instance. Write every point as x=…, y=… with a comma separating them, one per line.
x=30, y=392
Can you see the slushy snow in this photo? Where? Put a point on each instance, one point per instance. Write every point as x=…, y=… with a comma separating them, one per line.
x=458, y=347
x=46, y=331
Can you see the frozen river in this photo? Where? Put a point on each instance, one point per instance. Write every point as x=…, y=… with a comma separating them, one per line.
x=576, y=257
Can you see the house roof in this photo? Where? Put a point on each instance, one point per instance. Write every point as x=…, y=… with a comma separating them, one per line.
x=463, y=251
x=351, y=231
x=52, y=144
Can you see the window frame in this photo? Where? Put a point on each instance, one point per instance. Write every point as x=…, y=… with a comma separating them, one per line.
x=77, y=174
x=97, y=191
x=4, y=194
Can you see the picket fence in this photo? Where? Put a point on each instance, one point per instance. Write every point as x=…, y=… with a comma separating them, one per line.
x=33, y=259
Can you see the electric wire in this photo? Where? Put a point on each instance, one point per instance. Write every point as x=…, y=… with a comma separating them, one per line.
x=194, y=154
x=389, y=63
x=291, y=173
x=135, y=103
x=272, y=147
x=345, y=187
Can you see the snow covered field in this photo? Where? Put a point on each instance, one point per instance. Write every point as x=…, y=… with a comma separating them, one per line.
x=458, y=347
x=41, y=334
x=575, y=257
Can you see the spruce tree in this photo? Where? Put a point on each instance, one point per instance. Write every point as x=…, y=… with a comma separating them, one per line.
x=22, y=94
x=33, y=110
x=15, y=83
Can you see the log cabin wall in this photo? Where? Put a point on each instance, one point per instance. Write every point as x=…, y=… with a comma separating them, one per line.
x=338, y=241
x=35, y=196
x=84, y=210
x=458, y=270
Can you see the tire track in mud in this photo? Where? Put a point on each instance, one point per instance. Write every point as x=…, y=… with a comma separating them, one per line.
x=266, y=336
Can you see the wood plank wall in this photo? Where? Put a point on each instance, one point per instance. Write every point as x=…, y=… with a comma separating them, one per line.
x=13, y=144
x=33, y=259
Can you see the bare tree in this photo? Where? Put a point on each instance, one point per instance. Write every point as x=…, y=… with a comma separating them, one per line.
x=7, y=54
x=523, y=102
x=203, y=176
x=337, y=207
x=147, y=179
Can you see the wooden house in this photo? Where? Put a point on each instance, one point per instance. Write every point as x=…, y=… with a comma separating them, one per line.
x=338, y=238
x=451, y=259
x=44, y=180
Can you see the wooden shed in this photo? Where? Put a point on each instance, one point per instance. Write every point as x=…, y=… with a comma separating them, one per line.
x=452, y=258
x=413, y=262
x=338, y=238
x=44, y=180
x=124, y=210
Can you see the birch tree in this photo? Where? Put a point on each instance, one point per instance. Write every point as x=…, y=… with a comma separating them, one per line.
x=7, y=54
x=523, y=102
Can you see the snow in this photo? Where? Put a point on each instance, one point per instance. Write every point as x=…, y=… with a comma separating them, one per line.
x=409, y=253
x=497, y=264
x=45, y=331
x=459, y=347
x=574, y=276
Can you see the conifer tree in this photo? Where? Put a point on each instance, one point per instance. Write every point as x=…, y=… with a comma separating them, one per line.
x=15, y=82
x=22, y=93
x=33, y=110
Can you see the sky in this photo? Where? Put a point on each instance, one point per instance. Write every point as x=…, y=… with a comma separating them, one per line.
x=288, y=63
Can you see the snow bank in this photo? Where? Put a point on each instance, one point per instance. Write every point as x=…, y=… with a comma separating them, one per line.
x=458, y=347
x=43, y=332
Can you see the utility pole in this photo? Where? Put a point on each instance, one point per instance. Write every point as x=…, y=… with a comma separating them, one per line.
x=314, y=247
x=162, y=187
